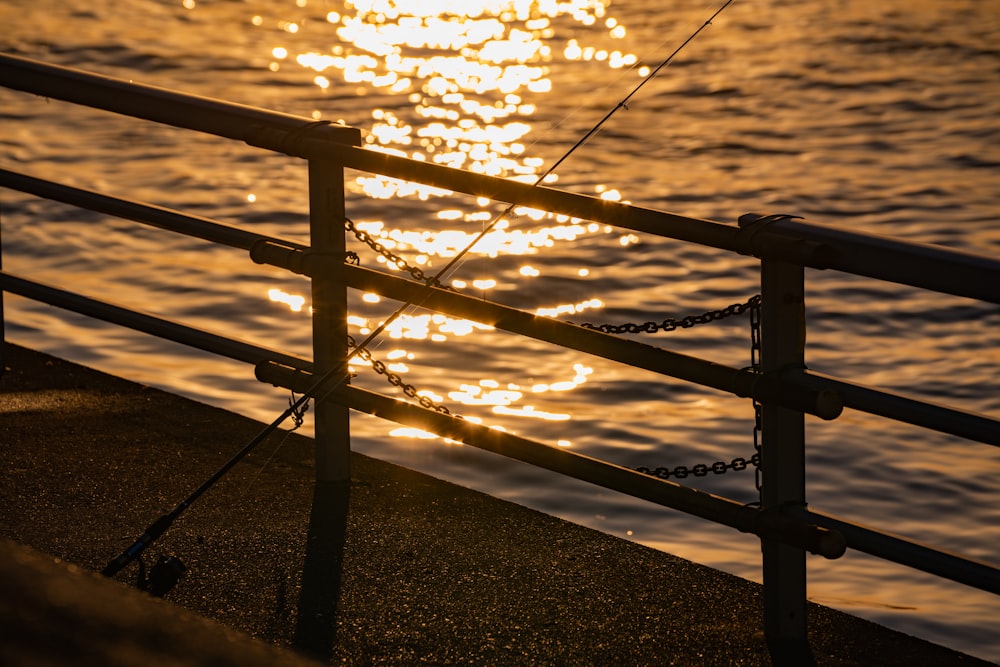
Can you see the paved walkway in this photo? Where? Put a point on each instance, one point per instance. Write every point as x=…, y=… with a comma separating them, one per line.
x=397, y=569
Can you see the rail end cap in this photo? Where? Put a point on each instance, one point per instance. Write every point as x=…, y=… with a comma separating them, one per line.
x=831, y=544
x=829, y=405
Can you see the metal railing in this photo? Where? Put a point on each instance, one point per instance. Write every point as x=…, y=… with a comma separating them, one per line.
x=784, y=387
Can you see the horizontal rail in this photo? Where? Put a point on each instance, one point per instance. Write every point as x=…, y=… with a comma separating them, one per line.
x=156, y=326
x=893, y=406
x=661, y=223
x=774, y=237
x=223, y=119
x=906, y=552
x=304, y=137
x=670, y=363
x=746, y=518
x=968, y=425
x=743, y=383
x=736, y=515
x=271, y=250
x=916, y=264
x=585, y=207
x=155, y=216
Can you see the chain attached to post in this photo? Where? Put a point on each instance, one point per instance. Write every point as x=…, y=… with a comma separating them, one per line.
x=680, y=472
x=701, y=470
x=667, y=325
x=758, y=427
x=397, y=381
x=672, y=324
x=391, y=257
x=739, y=463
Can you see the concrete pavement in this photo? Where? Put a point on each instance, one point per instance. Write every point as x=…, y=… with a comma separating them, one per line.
x=396, y=568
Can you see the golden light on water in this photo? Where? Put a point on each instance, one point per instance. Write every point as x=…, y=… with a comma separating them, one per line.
x=435, y=327
x=570, y=308
x=507, y=400
x=530, y=411
x=465, y=69
x=475, y=395
x=294, y=302
x=501, y=240
x=463, y=79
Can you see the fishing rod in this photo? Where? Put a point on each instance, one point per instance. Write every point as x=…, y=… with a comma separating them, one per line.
x=168, y=570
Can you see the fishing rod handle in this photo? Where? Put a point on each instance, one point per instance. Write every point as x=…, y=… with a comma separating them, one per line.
x=156, y=529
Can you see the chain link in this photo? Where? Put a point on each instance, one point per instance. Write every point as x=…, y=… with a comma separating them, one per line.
x=758, y=426
x=391, y=257
x=672, y=324
x=701, y=469
x=397, y=381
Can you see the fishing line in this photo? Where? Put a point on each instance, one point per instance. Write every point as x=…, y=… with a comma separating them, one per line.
x=577, y=110
x=436, y=279
x=340, y=370
x=297, y=420
x=622, y=105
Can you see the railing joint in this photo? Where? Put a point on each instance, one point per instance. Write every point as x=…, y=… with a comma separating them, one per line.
x=292, y=141
x=302, y=261
x=760, y=236
x=784, y=524
x=774, y=387
x=298, y=380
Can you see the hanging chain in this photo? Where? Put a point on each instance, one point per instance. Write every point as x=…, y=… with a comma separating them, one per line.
x=672, y=324
x=666, y=325
x=391, y=257
x=739, y=463
x=397, y=381
x=700, y=470
x=680, y=472
x=758, y=427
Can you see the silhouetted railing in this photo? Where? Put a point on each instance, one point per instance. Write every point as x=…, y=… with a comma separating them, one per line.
x=784, y=387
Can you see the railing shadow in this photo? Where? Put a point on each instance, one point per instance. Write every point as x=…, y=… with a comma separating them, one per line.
x=316, y=627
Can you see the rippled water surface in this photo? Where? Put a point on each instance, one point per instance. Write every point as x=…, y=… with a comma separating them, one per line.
x=880, y=117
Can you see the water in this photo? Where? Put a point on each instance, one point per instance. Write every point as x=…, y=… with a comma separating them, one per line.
x=879, y=117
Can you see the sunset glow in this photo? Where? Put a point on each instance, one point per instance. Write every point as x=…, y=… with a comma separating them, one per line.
x=471, y=73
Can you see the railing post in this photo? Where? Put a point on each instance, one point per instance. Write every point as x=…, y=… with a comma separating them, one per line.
x=329, y=317
x=782, y=463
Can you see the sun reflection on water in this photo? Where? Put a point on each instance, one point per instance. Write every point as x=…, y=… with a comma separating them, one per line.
x=295, y=302
x=464, y=68
x=458, y=82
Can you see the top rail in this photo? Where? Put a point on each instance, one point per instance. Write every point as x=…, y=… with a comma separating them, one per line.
x=192, y=112
x=921, y=265
x=772, y=237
